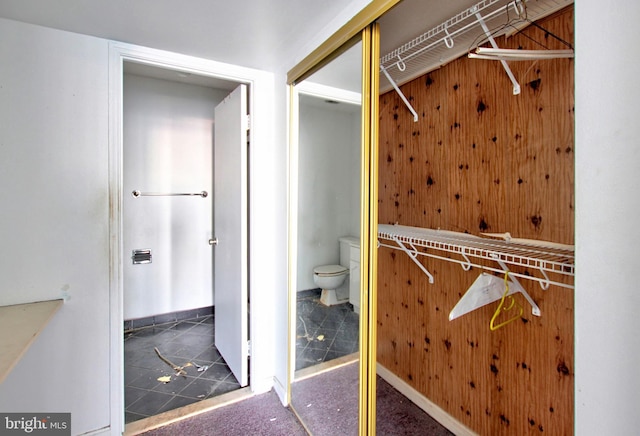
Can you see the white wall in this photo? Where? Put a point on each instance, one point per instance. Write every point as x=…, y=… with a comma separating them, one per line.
x=607, y=299
x=284, y=367
x=54, y=221
x=55, y=150
x=54, y=224
x=328, y=183
x=168, y=140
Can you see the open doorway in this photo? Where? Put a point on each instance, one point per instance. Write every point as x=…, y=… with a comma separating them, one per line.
x=176, y=350
x=262, y=278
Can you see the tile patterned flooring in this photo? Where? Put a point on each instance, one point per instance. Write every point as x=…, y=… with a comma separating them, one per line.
x=182, y=342
x=323, y=333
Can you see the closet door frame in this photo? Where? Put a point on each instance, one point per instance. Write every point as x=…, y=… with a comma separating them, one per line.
x=260, y=85
x=363, y=23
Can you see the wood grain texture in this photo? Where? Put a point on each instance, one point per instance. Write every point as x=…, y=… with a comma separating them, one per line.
x=481, y=160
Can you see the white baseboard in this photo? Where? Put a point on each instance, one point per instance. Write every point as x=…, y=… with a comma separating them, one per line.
x=281, y=391
x=449, y=422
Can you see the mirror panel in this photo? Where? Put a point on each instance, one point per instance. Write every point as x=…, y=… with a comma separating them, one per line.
x=325, y=171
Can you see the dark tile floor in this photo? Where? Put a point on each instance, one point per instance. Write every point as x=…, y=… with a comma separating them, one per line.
x=324, y=332
x=188, y=341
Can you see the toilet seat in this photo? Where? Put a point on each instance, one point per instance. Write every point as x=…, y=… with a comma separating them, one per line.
x=330, y=270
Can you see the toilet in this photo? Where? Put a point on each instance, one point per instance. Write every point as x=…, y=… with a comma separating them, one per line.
x=332, y=279
x=329, y=278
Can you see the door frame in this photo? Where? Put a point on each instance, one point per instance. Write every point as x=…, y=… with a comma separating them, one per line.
x=363, y=23
x=261, y=190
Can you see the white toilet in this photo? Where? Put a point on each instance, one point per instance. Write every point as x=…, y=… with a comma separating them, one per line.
x=329, y=278
x=332, y=279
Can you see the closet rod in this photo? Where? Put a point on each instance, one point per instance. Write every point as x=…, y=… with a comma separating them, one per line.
x=518, y=55
x=544, y=282
x=137, y=194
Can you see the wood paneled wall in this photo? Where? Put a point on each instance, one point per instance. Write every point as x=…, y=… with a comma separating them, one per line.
x=481, y=160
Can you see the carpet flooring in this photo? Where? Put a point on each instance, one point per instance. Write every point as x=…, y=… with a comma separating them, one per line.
x=259, y=415
x=328, y=405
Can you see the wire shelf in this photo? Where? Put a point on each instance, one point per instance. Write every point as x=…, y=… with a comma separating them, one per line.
x=456, y=36
x=440, y=244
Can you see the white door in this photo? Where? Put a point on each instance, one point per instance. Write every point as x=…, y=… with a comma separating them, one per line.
x=230, y=232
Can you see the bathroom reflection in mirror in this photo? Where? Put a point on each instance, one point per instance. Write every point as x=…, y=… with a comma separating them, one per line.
x=327, y=240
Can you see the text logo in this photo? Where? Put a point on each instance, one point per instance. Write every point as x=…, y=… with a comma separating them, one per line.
x=36, y=424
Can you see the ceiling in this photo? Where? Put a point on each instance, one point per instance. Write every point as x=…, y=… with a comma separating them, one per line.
x=178, y=76
x=252, y=33
x=263, y=34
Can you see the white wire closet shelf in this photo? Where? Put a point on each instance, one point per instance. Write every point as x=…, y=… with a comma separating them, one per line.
x=456, y=36
x=468, y=250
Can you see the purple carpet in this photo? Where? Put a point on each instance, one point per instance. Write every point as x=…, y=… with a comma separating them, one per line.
x=397, y=415
x=259, y=415
x=328, y=405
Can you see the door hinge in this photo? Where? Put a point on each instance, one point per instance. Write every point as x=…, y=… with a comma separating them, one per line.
x=249, y=348
x=248, y=121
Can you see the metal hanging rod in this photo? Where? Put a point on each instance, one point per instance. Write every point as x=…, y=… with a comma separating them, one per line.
x=137, y=194
x=442, y=244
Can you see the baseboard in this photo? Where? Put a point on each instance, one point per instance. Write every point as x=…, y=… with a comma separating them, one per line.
x=164, y=318
x=437, y=413
x=262, y=385
x=281, y=391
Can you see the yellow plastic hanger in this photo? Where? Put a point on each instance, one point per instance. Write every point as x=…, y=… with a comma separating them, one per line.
x=503, y=308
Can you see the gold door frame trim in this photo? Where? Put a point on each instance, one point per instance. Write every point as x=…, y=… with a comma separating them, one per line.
x=369, y=230
x=331, y=48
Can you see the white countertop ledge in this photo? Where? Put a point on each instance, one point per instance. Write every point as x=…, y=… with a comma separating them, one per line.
x=20, y=325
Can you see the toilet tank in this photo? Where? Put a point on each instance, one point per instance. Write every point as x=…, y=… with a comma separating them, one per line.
x=345, y=249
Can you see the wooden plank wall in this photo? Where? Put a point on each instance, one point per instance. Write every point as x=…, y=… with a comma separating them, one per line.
x=481, y=160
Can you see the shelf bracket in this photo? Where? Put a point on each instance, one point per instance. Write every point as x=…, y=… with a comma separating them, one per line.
x=505, y=65
x=413, y=255
x=404, y=99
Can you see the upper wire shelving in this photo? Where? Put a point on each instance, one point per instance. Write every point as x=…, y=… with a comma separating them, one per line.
x=457, y=36
x=468, y=250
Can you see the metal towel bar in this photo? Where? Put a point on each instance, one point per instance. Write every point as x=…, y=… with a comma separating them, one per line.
x=137, y=194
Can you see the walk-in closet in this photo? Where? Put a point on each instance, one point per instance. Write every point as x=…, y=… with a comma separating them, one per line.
x=475, y=314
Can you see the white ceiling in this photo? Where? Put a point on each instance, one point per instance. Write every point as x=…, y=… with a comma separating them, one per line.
x=251, y=33
x=263, y=34
x=178, y=76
